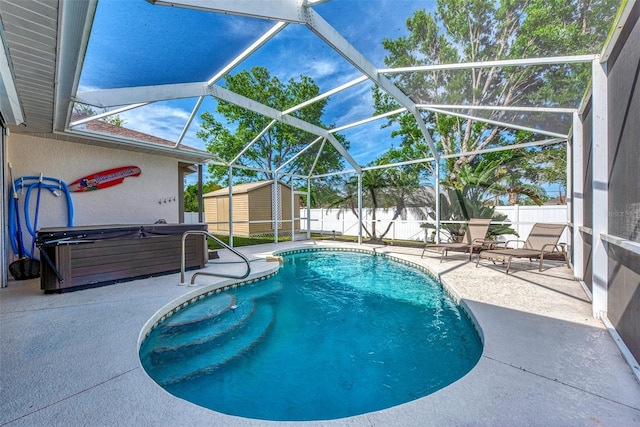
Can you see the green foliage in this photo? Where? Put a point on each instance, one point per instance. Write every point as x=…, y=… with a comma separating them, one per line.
x=396, y=189
x=327, y=192
x=462, y=204
x=84, y=110
x=472, y=31
x=115, y=120
x=280, y=142
x=191, y=195
x=88, y=111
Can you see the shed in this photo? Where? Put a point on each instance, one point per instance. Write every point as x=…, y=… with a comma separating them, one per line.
x=251, y=202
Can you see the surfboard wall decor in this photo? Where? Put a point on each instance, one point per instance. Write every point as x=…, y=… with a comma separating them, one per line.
x=104, y=179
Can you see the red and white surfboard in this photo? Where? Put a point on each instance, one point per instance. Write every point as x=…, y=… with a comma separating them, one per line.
x=104, y=179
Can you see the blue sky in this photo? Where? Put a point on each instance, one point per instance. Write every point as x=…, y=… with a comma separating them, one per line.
x=134, y=43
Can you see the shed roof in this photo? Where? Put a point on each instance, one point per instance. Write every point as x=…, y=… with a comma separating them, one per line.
x=241, y=188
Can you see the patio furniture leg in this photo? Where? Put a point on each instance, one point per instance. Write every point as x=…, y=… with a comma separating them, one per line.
x=508, y=264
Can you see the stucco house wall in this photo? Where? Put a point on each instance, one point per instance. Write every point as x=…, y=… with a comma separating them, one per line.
x=138, y=200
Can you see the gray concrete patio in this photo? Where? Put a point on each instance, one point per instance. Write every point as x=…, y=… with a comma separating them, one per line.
x=72, y=359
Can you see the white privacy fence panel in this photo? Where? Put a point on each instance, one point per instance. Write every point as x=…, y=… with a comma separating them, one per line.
x=523, y=218
x=191, y=217
x=344, y=222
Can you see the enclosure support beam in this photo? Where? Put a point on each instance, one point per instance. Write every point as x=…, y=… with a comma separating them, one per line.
x=600, y=190
x=360, y=207
x=299, y=153
x=194, y=111
x=334, y=39
x=275, y=203
x=309, y=208
x=293, y=213
x=575, y=195
x=497, y=123
x=230, y=176
x=437, y=188
x=200, y=201
x=253, y=141
x=490, y=64
x=110, y=97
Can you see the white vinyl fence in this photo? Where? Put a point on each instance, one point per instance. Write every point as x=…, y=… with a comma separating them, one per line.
x=191, y=217
x=344, y=222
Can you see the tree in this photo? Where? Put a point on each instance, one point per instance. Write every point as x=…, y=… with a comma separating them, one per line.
x=462, y=204
x=115, y=120
x=280, y=142
x=476, y=30
x=191, y=195
x=554, y=161
x=499, y=174
x=398, y=190
x=88, y=111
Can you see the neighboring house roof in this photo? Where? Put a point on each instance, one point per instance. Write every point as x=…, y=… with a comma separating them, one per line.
x=241, y=188
x=556, y=201
x=124, y=132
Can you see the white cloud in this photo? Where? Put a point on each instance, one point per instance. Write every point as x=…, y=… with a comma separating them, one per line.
x=321, y=68
x=163, y=121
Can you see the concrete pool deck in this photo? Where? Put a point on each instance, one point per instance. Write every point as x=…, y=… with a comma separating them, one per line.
x=72, y=359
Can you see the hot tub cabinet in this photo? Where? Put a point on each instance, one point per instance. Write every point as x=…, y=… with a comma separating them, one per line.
x=101, y=255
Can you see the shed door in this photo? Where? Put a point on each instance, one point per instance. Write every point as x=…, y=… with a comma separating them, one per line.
x=222, y=209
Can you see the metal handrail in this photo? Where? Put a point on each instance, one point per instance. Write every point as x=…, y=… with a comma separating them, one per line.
x=221, y=243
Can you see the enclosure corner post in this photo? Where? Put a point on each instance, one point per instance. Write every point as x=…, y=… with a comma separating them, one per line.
x=200, y=199
x=576, y=196
x=600, y=168
x=308, y=208
x=230, y=177
x=437, y=188
x=293, y=217
x=360, y=207
x=275, y=206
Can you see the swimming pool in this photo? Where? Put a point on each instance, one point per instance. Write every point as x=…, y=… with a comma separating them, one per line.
x=333, y=334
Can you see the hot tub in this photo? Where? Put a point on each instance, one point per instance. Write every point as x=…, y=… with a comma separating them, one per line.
x=104, y=254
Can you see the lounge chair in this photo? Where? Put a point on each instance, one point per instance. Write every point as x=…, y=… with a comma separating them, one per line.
x=542, y=241
x=473, y=239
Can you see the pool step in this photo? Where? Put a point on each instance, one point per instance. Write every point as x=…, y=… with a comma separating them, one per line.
x=227, y=347
x=256, y=290
x=214, y=306
x=183, y=344
x=209, y=318
x=199, y=312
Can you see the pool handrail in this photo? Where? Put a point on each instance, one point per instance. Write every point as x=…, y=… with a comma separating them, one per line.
x=221, y=243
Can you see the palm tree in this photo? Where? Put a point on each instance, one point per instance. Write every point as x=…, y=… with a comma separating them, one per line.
x=462, y=204
x=395, y=189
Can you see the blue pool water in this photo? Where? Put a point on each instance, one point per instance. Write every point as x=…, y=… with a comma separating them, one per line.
x=333, y=334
